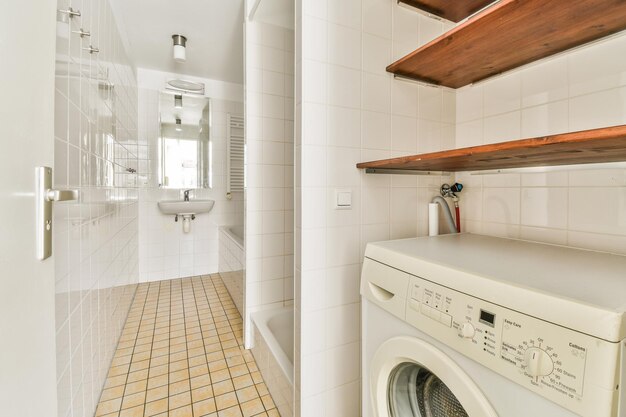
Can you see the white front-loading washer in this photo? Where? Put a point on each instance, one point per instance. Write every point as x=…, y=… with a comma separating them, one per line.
x=473, y=326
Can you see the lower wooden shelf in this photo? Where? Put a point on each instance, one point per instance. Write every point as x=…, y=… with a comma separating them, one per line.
x=584, y=147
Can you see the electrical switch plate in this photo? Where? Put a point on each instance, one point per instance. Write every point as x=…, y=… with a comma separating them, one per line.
x=343, y=199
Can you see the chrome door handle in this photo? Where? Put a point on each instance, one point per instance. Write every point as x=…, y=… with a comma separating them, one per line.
x=61, y=195
x=44, y=196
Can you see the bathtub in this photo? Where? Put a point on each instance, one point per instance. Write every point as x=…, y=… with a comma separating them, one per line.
x=232, y=262
x=236, y=232
x=273, y=352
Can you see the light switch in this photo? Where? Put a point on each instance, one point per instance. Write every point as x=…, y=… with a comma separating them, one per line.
x=343, y=199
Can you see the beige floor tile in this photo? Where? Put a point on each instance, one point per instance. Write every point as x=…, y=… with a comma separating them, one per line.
x=243, y=381
x=262, y=389
x=268, y=402
x=157, y=393
x=179, y=387
x=135, y=387
x=235, y=360
x=200, y=381
x=214, y=356
x=252, y=407
x=198, y=370
x=133, y=412
x=220, y=375
x=205, y=407
x=137, y=376
x=179, y=400
x=185, y=411
x=107, y=407
x=203, y=393
x=218, y=365
x=133, y=400
x=179, y=375
x=179, y=365
x=181, y=355
x=157, y=381
x=223, y=387
x=230, y=412
x=178, y=356
x=256, y=377
x=226, y=400
x=247, y=394
x=238, y=370
x=112, y=393
x=158, y=370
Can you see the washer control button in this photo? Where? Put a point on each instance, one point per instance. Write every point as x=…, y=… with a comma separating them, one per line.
x=467, y=331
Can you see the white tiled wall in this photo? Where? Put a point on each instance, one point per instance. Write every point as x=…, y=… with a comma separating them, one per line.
x=269, y=170
x=351, y=110
x=165, y=252
x=581, y=89
x=95, y=239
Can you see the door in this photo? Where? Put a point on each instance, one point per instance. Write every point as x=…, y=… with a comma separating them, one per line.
x=27, y=337
x=411, y=378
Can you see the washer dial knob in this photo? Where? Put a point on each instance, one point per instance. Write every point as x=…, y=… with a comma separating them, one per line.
x=467, y=331
x=538, y=362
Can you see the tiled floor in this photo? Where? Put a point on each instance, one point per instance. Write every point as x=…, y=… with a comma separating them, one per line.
x=181, y=355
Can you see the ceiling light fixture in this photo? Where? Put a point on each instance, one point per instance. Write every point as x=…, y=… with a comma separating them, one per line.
x=179, y=48
x=178, y=101
x=179, y=125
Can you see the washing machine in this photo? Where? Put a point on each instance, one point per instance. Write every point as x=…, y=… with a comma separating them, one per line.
x=475, y=326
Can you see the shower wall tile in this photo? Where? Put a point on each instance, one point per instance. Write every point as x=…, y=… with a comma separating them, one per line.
x=96, y=237
x=270, y=160
x=581, y=207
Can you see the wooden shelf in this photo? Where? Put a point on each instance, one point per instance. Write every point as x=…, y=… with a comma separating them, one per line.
x=455, y=10
x=510, y=34
x=585, y=147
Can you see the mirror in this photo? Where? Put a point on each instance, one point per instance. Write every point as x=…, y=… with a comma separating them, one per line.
x=185, y=154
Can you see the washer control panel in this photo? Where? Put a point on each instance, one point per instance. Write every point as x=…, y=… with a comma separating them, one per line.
x=572, y=369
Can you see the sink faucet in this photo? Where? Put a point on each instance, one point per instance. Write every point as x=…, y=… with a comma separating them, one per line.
x=186, y=194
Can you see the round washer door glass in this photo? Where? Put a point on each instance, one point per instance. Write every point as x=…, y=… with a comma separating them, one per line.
x=414, y=391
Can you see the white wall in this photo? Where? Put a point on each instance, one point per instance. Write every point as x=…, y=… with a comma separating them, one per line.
x=165, y=252
x=350, y=110
x=582, y=89
x=269, y=169
x=95, y=239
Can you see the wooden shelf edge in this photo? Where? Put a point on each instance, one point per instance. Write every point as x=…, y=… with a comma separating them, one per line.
x=475, y=49
x=454, y=11
x=606, y=144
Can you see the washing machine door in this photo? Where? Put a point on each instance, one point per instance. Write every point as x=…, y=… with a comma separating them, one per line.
x=412, y=378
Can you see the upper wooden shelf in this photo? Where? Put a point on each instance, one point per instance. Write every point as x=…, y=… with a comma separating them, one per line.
x=510, y=34
x=584, y=147
x=455, y=10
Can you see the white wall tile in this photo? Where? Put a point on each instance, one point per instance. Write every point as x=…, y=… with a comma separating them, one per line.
x=344, y=86
x=546, y=119
x=96, y=238
x=544, y=207
x=503, y=94
x=545, y=82
x=559, y=94
x=345, y=49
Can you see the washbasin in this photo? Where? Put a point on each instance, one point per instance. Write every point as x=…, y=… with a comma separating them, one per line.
x=181, y=207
